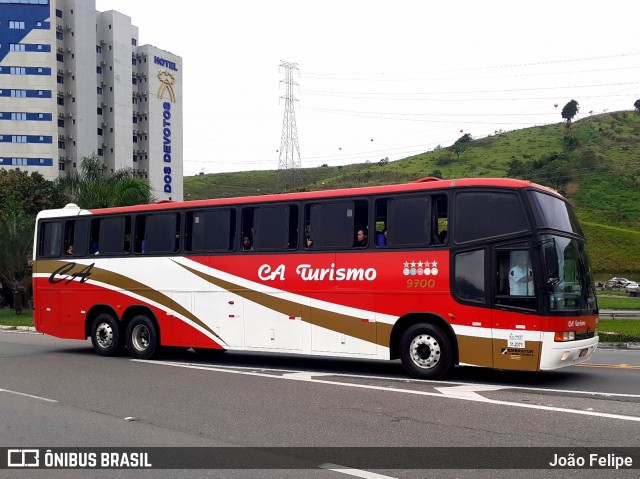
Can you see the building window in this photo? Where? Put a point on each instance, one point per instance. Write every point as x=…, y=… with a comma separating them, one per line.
x=135, y=119
x=100, y=131
x=15, y=25
x=59, y=36
x=17, y=47
x=99, y=90
x=134, y=42
x=100, y=152
x=60, y=57
x=60, y=79
x=60, y=123
x=61, y=145
x=135, y=139
x=134, y=61
x=60, y=101
x=98, y=49
x=58, y=13
x=98, y=69
x=134, y=81
x=99, y=111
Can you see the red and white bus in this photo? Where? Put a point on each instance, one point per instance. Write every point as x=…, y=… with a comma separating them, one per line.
x=483, y=272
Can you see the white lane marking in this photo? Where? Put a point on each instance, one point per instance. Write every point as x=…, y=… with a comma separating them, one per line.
x=27, y=395
x=475, y=386
x=354, y=472
x=474, y=398
x=469, y=391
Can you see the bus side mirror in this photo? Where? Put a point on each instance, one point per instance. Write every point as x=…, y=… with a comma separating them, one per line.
x=551, y=262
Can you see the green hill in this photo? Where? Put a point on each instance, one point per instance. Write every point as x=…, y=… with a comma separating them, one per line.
x=595, y=163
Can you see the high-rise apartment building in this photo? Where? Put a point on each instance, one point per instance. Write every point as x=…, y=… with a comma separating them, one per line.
x=74, y=83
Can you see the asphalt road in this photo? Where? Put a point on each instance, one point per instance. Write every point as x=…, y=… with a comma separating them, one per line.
x=59, y=393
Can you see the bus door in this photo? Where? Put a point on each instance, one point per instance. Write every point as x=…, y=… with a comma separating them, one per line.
x=516, y=323
x=470, y=315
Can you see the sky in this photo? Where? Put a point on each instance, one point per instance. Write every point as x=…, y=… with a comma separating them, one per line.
x=384, y=79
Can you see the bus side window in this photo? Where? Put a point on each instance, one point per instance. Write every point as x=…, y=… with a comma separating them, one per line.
x=51, y=239
x=334, y=225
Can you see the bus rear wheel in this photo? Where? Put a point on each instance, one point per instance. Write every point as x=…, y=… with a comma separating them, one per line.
x=142, y=337
x=425, y=351
x=105, y=335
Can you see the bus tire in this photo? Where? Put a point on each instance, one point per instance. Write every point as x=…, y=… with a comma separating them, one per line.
x=105, y=335
x=426, y=352
x=142, y=337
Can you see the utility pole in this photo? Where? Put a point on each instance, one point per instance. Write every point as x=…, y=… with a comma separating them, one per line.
x=289, y=162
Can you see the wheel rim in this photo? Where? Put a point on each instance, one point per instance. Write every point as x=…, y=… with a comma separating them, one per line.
x=104, y=335
x=424, y=351
x=140, y=337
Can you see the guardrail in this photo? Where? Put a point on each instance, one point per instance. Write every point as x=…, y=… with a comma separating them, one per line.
x=619, y=314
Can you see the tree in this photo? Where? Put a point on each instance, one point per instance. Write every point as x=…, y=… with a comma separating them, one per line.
x=92, y=188
x=32, y=191
x=22, y=196
x=569, y=111
x=637, y=105
x=16, y=240
x=461, y=144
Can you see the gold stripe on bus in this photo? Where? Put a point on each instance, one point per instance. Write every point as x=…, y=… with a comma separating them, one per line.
x=377, y=333
x=125, y=283
x=495, y=353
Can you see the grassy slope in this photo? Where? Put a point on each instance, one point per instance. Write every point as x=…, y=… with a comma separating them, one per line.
x=604, y=181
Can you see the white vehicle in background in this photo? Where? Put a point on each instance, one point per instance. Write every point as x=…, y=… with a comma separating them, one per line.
x=633, y=288
x=618, y=283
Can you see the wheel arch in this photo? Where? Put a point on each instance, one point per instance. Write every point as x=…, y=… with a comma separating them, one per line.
x=94, y=312
x=405, y=322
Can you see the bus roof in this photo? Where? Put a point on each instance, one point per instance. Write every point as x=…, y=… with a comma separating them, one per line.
x=429, y=183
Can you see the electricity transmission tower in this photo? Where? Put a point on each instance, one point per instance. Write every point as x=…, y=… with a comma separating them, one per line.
x=289, y=162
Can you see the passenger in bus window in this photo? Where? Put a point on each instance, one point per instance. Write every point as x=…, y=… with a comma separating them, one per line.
x=309, y=243
x=70, y=250
x=443, y=237
x=362, y=237
x=381, y=238
x=520, y=276
x=246, y=243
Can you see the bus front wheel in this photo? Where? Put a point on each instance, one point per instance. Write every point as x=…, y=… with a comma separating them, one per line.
x=105, y=335
x=425, y=351
x=142, y=337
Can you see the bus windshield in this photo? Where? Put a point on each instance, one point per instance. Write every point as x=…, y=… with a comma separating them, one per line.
x=554, y=213
x=569, y=275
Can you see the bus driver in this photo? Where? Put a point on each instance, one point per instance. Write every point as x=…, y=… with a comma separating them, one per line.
x=521, y=277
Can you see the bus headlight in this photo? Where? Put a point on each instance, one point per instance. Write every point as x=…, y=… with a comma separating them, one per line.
x=562, y=336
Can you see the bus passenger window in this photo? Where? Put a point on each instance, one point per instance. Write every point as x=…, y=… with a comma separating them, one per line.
x=469, y=276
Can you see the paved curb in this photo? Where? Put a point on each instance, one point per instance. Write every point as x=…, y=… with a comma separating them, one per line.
x=619, y=346
x=17, y=328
